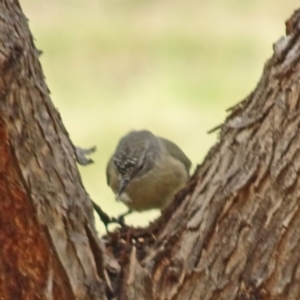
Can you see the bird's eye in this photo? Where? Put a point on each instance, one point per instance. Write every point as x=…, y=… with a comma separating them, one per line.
x=140, y=167
x=137, y=170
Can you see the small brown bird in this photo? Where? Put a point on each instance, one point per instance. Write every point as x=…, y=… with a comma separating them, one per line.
x=146, y=171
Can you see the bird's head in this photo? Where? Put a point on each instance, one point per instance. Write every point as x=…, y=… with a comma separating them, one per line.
x=135, y=156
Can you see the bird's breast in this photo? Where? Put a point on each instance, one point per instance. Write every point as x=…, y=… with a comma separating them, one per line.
x=156, y=189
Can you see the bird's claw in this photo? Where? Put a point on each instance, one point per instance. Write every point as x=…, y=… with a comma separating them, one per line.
x=119, y=220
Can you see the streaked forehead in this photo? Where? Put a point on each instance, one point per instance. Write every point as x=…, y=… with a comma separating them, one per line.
x=125, y=162
x=130, y=149
x=125, y=157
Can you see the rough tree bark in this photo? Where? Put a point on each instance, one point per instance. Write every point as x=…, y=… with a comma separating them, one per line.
x=232, y=233
x=47, y=236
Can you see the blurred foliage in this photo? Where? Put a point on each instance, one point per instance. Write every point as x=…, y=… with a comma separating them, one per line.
x=171, y=66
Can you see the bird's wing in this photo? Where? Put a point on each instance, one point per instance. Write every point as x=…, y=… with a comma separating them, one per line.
x=107, y=171
x=176, y=152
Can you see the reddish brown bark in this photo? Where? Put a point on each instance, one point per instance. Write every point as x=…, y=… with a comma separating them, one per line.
x=232, y=233
x=46, y=221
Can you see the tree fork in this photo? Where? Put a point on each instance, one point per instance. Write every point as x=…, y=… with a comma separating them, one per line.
x=232, y=233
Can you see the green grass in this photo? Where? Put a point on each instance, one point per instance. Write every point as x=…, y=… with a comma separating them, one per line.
x=170, y=66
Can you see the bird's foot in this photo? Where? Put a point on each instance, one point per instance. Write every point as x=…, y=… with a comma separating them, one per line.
x=121, y=218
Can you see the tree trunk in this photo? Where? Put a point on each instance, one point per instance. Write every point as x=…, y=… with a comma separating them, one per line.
x=47, y=234
x=232, y=233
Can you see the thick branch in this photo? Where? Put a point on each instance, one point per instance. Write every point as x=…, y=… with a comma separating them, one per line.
x=236, y=233
x=232, y=233
x=47, y=236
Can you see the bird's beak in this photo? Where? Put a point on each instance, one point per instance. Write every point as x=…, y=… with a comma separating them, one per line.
x=122, y=185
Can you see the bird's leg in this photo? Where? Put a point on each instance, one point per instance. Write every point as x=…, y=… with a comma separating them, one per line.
x=103, y=216
x=106, y=220
x=120, y=219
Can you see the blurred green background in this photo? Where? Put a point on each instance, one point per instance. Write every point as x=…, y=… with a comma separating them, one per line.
x=170, y=66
